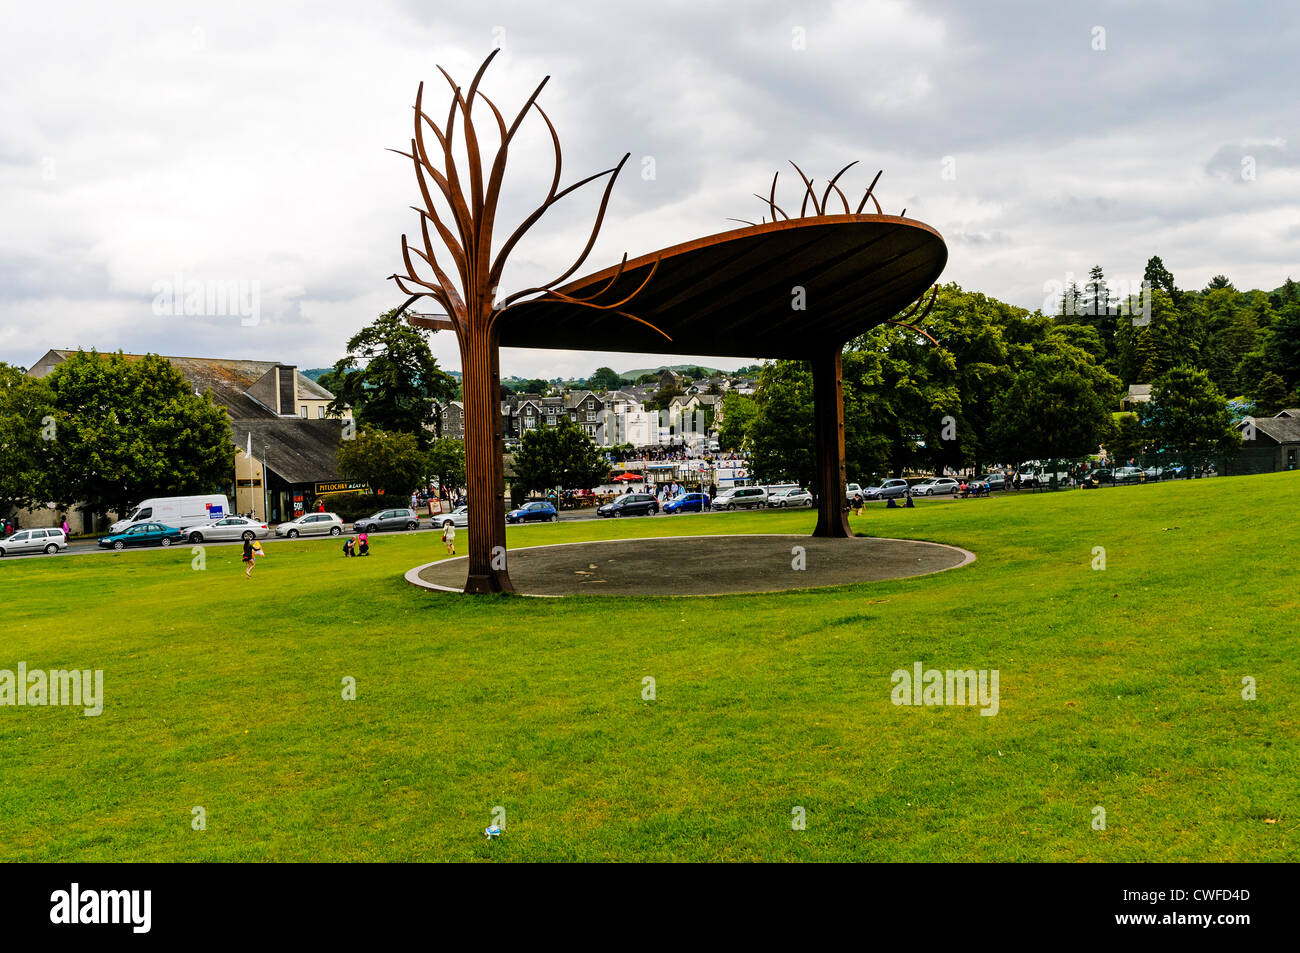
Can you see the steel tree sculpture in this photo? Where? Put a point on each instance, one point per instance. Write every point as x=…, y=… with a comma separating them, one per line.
x=467, y=291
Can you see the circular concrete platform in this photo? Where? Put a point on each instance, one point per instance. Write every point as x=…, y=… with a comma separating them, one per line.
x=703, y=565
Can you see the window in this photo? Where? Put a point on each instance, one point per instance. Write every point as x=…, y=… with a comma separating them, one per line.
x=143, y=514
x=320, y=412
x=303, y=413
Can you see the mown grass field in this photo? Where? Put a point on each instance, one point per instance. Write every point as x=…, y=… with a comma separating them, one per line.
x=1119, y=688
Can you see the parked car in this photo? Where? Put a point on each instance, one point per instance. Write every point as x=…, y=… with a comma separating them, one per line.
x=996, y=481
x=789, y=496
x=311, y=524
x=935, y=486
x=33, y=541
x=688, y=503
x=1095, y=478
x=401, y=518
x=1129, y=475
x=459, y=518
x=533, y=513
x=143, y=534
x=887, y=489
x=741, y=497
x=232, y=527
x=853, y=493
x=630, y=504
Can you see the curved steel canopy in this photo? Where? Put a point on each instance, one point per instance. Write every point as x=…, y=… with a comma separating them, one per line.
x=735, y=294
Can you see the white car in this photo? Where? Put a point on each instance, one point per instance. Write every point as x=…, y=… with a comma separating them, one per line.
x=232, y=527
x=459, y=518
x=789, y=496
x=33, y=541
x=853, y=493
x=311, y=524
x=935, y=486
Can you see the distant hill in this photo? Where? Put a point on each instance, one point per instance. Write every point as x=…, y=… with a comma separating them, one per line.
x=634, y=374
x=315, y=373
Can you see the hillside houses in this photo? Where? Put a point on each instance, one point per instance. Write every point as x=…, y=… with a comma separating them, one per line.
x=616, y=417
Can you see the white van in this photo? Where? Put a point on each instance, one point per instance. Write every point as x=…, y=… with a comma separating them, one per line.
x=178, y=512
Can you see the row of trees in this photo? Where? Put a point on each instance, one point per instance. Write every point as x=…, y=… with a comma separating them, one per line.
x=1248, y=342
x=1001, y=385
x=104, y=431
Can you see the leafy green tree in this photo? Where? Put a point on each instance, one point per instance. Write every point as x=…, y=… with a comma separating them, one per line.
x=558, y=457
x=390, y=462
x=390, y=379
x=1126, y=440
x=1158, y=275
x=25, y=438
x=126, y=429
x=738, y=412
x=1188, y=417
x=604, y=378
x=780, y=435
x=446, y=461
x=1053, y=410
x=1269, y=395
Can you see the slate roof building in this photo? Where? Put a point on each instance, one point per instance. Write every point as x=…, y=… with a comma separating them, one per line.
x=1268, y=444
x=279, y=413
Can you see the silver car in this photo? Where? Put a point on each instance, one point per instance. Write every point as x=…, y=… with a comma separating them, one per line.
x=232, y=527
x=311, y=524
x=789, y=496
x=33, y=541
x=935, y=486
x=459, y=518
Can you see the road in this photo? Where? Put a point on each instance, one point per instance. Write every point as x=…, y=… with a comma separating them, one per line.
x=85, y=547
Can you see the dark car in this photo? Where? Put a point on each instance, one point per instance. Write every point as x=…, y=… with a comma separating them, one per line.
x=533, y=513
x=401, y=518
x=1095, y=478
x=996, y=481
x=630, y=504
x=143, y=534
x=688, y=503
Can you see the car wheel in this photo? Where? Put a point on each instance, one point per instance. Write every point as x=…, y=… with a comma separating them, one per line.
x=165, y=541
x=119, y=545
x=334, y=531
x=653, y=511
x=196, y=537
x=292, y=534
x=249, y=535
x=554, y=517
x=51, y=549
x=412, y=525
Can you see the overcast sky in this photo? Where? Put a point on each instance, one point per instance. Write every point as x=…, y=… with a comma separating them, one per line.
x=245, y=142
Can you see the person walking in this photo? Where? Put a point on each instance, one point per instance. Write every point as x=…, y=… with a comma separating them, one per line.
x=252, y=549
x=449, y=537
x=67, y=530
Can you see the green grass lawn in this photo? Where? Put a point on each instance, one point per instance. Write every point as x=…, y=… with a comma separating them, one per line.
x=1120, y=688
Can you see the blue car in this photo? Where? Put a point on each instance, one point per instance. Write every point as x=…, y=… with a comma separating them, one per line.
x=533, y=513
x=143, y=534
x=688, y=503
